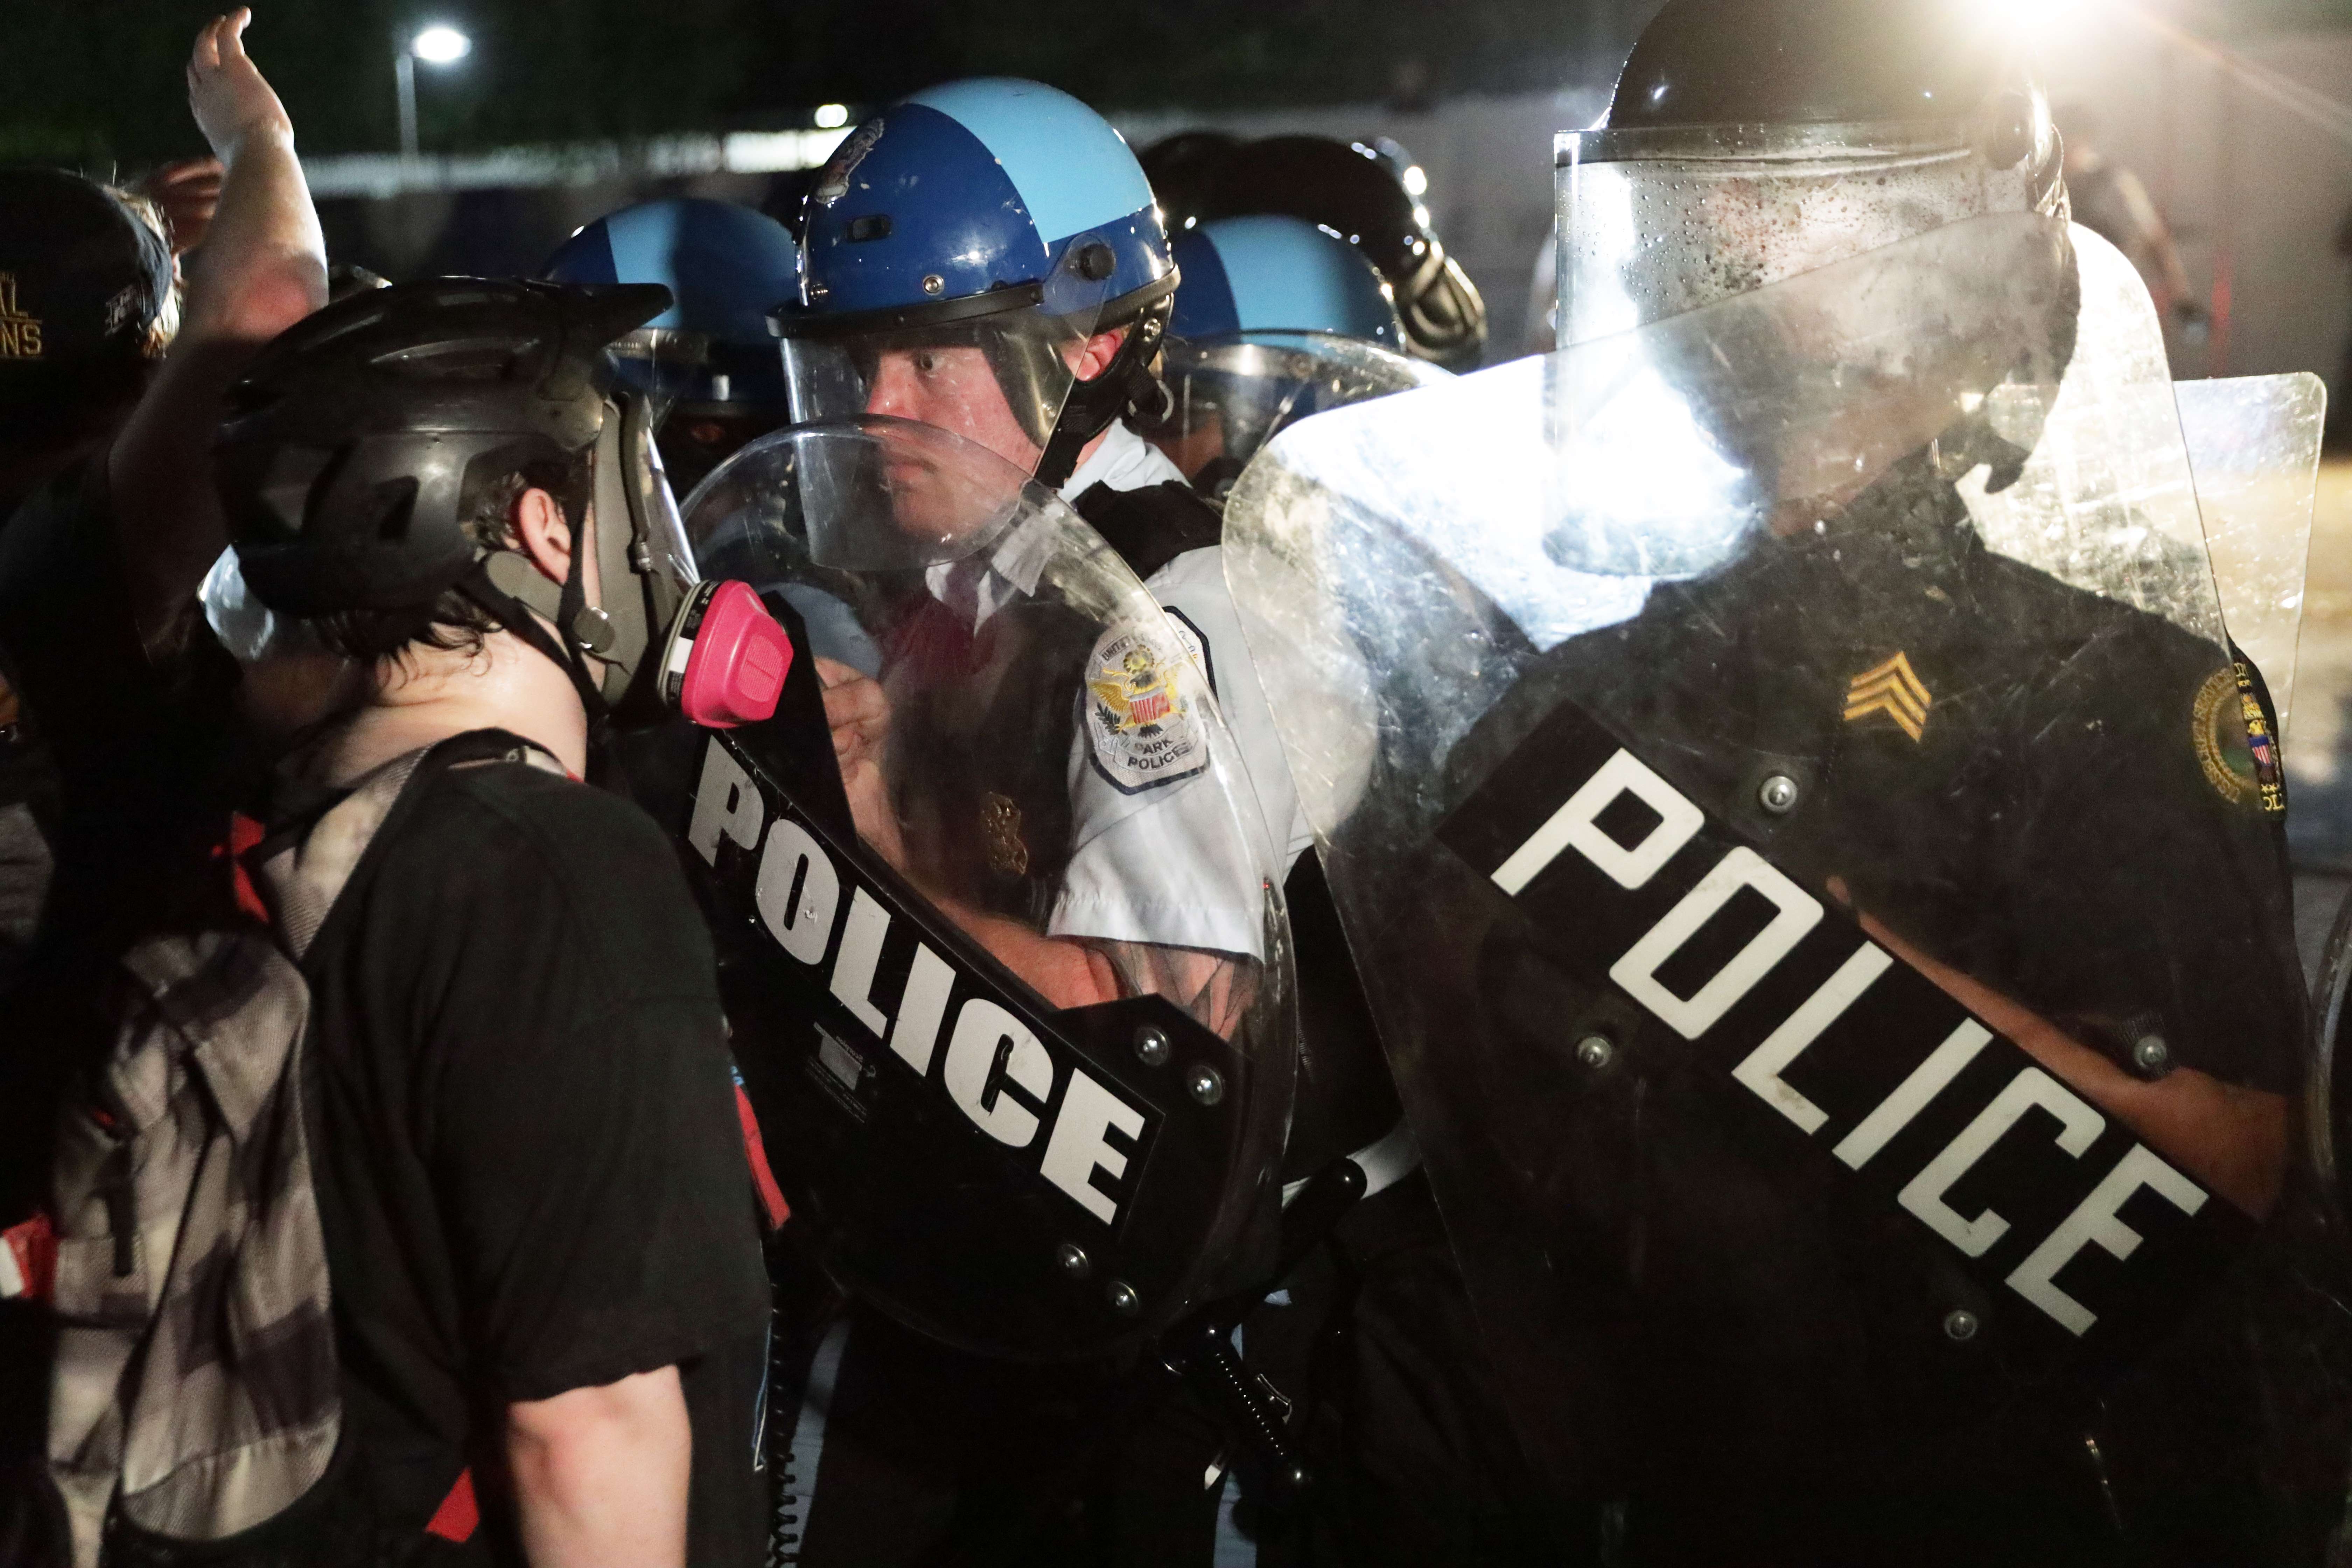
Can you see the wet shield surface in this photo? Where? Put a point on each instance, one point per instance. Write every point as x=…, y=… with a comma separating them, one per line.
x=1782, y=776
x=1002, y=950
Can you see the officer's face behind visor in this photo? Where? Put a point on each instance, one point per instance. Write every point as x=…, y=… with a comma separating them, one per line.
x=998, y=380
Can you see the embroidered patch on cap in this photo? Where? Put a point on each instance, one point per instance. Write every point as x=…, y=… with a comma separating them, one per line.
x=1142, y=725
x=20, y=334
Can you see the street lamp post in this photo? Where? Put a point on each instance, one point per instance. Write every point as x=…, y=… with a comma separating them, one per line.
x=438, y=45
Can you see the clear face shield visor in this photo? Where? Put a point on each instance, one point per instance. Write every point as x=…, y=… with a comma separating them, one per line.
x=1653, y=222
x=995, y=369
x=1230, y=395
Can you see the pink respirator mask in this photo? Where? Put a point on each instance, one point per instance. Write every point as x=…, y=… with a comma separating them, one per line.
x=725, y=660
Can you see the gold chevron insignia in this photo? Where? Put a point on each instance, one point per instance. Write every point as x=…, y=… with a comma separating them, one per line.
x=1892, y=688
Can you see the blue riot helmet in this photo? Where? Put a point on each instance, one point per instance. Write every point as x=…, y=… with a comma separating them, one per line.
x=1277, y=319
x=708, y=363
x=959, y=251
x=1268, y=274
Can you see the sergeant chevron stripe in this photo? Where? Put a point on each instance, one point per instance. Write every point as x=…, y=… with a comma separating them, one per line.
x=1892, y=688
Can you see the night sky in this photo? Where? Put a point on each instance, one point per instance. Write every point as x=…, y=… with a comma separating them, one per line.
x=94, y=81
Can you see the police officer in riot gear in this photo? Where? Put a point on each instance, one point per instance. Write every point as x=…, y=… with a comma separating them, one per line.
x=1355, y=190
x=1778, y=574
x=922, y=297
x=708, y=360
x=1277, y=321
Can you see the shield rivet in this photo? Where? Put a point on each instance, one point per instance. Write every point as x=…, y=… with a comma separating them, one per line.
x=1151, y=1045
x=1123, y=1299
x=2151, y=1055
x=1596, y=1051
x=1959, y=1325
x=933, y=284
x=1205, y=1085
x=1777, y=795
x=1074, y=1260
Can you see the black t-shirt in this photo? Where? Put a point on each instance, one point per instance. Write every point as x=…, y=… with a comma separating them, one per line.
x=531, y=1173
x=527, y=1160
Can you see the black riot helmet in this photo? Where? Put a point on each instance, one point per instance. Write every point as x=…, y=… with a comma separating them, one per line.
x=362, y=443
x=1809, y=62
x=1347, y=188
x=1748, y=140
x=1184, y=170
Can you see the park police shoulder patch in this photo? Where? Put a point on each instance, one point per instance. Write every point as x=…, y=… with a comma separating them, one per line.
x=2234, y=744
x=1144, y=728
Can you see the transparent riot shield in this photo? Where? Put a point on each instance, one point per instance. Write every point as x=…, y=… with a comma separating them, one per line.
x=1778, y=771
x=1001, y=944
x=1228, y=395
x=2253, y=445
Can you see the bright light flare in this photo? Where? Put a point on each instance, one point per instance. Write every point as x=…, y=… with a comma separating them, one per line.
x=2044, y=18
x=832, y=116
x=440, y=45
x=1416, y=184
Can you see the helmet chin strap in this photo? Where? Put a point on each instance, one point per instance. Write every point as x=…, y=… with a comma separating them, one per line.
x=513, y=610
x=506, y=583
x=1128, y=385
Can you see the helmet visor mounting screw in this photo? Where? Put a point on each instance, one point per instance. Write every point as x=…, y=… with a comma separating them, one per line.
x=1151, y=1045
x=1074, y=1260
x=2151, y=1055
x=1596, y=1051
x=1959, y=1325
x=934, y=284
x=1096, y=261
x=1123, y=1299
x=1205, y=1085
x=1777, y=795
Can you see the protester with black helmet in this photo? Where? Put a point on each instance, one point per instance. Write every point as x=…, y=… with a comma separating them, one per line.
x=541, y=1240
x=532, y=1177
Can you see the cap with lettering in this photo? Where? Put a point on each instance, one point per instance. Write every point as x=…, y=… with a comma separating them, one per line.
x=83, y=281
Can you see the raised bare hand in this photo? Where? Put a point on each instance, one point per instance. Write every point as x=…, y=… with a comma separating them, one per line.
x=187, y=194
x=226, y=89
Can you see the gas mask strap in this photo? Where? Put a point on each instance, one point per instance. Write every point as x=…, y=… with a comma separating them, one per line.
x=514, y=615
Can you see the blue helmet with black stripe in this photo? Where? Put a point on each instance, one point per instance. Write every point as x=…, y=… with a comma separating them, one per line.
x=709, y=360
x=1268, y=273
x=998, y=217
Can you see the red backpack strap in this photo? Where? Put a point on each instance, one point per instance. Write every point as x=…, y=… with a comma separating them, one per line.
x=458, y=1516
x=28, y=1259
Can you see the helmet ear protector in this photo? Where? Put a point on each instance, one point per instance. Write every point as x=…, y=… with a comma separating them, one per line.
x=721, y=657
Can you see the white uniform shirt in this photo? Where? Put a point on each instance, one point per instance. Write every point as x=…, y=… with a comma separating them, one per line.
x=1157, y=864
